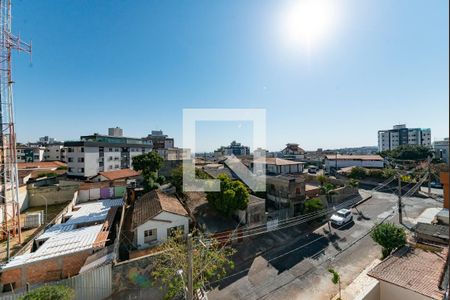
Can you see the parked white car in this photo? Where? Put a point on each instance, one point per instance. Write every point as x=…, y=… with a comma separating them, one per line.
x=342, y=217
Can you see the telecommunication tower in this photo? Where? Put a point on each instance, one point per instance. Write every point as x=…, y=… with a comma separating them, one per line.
x=9, y=182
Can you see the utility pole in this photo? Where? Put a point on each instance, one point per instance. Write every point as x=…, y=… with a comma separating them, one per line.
x=190, y=287
x=429, y=175
x=400, y=216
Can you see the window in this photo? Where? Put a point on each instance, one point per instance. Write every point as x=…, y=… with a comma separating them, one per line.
x=81, y=170
x=8, y=287
x=110, y=149
x=80, y=159
x=69, y=149
x=171, y=231
x=70, y=159
x=150, y=235
x=70, y=170
x=82, y=149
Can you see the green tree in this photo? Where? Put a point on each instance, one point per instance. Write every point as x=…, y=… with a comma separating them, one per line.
x=50, y=292
x=328, y=190
x=336, y=280
x=322, y=179
x=176, y=178
x=149, y=163
x=358, y=173
x=210, y=262
x=408, y=152
x=312, y=205
x=233, y=195
x=389, y=236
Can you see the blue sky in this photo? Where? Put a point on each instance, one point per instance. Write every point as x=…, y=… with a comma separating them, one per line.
x=137, y=64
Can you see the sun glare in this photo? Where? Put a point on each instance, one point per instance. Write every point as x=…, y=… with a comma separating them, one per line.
x=305, y=23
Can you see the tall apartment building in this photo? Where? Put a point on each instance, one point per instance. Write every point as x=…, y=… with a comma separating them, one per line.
x=401, y=135
x=159, y=140
x=115, y=131
x=234, y=148
x=97, y=153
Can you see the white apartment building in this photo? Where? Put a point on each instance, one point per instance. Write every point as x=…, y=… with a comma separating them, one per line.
x=55, y=152
x=441, y=150
x=99, y=153
x=401, y=135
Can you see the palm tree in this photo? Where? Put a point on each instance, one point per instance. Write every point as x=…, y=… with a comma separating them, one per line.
x=328, y=190
x=353, y=183
x=321, y=179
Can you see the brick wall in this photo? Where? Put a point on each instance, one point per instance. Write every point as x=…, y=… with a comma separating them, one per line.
x=45, y=270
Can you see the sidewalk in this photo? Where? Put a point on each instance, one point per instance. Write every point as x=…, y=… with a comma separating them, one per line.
x=361, y=285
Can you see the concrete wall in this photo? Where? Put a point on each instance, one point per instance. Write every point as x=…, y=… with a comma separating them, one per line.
x=49, y=195
x=388, y=291
x=343, y=193
x=161, y=227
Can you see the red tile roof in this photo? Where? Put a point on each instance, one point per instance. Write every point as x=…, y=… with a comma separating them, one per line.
x=152, y=204
x=41, y=165
x=119, y=174
x=414, y=269
x=277, y=161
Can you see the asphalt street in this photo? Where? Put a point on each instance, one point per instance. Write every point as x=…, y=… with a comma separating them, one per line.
x=292, y=263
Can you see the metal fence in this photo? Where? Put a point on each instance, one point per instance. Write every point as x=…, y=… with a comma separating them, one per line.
x=91, y=285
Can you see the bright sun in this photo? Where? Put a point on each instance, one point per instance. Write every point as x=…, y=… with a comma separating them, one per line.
x=306, y=22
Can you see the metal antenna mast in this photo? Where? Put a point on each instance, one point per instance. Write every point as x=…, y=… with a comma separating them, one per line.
x=9, y=183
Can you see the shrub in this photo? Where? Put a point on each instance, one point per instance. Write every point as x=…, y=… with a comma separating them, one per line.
x=312, y=205
x=50, y=292
x=358, y=173
x=47, y=174
x=376, y=173
x=389, y=172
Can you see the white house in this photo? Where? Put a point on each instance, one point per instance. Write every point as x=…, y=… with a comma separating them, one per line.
x=338, y=161
x=156, y=215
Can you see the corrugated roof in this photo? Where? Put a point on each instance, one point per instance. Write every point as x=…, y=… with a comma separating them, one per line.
x=61, y=244
x=353, y=157
x=414, y=269
x=66, y=238
x=152, y=204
